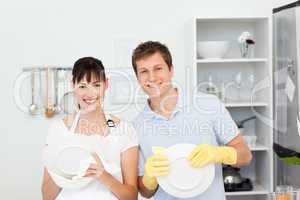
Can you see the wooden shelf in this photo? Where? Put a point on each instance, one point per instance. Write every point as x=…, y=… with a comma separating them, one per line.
x=232, y=60
x=257, y=190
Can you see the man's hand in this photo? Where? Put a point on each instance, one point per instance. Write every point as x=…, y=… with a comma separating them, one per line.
x=205, y=154
x=156, y=165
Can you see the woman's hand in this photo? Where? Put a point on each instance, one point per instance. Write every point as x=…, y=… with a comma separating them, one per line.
x=95, y=170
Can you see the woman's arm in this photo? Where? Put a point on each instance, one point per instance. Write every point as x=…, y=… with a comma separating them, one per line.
x=127, y=190
x=123, y=191
x=49, y=189
x=144, y=191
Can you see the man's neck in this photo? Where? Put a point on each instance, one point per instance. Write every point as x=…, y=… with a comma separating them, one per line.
x=165, y=104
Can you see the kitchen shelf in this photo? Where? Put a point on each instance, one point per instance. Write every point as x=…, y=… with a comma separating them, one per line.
x=228, y=19
x=246, y=104
x=232, y=60
x=257, y=190
x=259, y=147
x=255, y=70
x=44, y=68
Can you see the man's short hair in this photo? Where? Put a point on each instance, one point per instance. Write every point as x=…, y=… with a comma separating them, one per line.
x=149, y=48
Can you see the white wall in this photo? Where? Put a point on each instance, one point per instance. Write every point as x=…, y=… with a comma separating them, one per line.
x=37, y=32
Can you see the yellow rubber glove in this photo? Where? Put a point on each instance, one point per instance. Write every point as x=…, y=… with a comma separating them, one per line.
x=205, y=154
x=156, y=165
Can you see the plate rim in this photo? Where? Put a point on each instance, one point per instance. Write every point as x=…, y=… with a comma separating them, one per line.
x=169, y=188
x=65, y=147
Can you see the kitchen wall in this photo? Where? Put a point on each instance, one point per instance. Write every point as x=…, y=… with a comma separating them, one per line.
x=36, y=32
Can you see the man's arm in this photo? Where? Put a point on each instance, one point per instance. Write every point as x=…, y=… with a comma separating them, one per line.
x=244, y=155
x=155, y=166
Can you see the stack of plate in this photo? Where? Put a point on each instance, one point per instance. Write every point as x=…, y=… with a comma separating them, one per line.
x=184, y=181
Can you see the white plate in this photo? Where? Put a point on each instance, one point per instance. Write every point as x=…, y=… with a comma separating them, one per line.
x=72, y=160
x=69, y=159
x=69, y=183
x=59, y=166
x=184, y=181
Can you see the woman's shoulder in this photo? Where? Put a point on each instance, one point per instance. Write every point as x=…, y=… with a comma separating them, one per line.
x=126, y=131
x=120, y=122
x=60, y=124
x=122, y=126
x=115, y=119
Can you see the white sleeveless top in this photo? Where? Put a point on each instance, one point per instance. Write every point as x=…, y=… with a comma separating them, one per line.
x=120, y=138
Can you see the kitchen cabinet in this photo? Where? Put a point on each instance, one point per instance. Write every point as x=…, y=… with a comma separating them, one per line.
x=224, y=72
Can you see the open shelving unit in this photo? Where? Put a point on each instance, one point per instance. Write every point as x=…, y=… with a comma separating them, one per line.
x=258, y=190
x=259, y=147
x=232, y=60
x=245, y=104
x=224, y=71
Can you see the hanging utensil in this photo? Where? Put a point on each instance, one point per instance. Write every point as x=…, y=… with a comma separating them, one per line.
x=40, y=90
x=33, y=108
x=56, y=82
x=49, y=112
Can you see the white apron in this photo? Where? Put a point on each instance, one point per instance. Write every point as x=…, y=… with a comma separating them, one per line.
x=110, y=147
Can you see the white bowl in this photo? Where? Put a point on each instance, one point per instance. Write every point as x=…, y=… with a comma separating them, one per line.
x=212, y=49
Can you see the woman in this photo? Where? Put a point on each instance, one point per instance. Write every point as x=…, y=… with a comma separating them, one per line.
x=107, y=136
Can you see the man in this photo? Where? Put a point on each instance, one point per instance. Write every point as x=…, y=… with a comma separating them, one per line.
x=169, y=118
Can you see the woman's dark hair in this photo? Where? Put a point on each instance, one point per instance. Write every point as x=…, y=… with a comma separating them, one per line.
x=89, y=67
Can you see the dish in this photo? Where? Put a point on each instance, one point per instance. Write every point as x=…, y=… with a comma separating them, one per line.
x=212, y=49
x=69, y=160
x=184, y=181
x=67, y=165
x=69, y=183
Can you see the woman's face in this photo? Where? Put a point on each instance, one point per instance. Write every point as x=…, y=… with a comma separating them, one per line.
x=90, y=95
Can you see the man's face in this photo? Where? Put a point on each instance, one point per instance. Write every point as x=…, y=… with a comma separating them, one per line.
x=154, y=75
